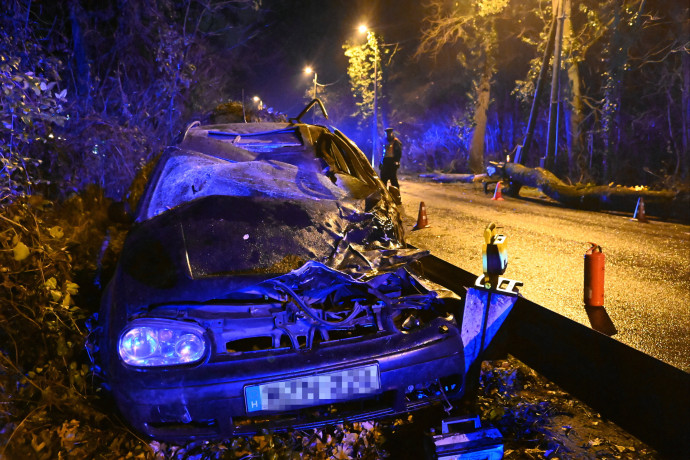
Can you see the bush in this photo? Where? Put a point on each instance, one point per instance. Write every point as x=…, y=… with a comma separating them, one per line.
x=30, y=108
x=441, y=146
x=49, y=398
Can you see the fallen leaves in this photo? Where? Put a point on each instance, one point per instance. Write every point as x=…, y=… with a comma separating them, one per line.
x=56, y=232
x=539, y=420
x=47, y=390
x=20, y=251
x=335, y=442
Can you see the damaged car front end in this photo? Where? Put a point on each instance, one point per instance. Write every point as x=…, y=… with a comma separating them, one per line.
x=266, y=282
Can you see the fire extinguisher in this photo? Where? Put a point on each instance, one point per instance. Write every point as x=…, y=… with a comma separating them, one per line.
x=594, y=276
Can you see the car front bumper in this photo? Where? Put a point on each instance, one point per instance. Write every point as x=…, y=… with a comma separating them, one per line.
x=208, y=402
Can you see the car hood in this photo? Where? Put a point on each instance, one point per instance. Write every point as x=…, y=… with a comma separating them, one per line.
x=208, y=247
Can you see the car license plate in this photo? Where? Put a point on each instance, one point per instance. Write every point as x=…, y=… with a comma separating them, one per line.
x=313, y=389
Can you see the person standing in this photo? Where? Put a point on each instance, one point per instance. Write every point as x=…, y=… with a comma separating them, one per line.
x=391, y=159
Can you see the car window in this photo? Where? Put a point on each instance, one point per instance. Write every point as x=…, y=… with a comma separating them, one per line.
x=268, y=141
x=236, y=145
x=344, y=159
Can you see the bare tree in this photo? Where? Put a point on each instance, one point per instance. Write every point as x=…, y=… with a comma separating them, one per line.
x=471, y=24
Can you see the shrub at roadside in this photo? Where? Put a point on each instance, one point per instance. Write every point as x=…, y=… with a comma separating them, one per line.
x=49, y=406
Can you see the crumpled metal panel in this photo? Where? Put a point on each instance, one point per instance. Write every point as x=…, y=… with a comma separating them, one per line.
x=311, y=304
x=187, y=176
x=219, y=236
x=303, y=193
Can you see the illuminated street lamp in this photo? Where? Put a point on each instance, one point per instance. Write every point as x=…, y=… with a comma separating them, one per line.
x=374, y=128
x=308, y=70
x=258, y=102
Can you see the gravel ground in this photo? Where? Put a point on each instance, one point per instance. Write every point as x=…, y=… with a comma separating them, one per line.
x=647, y=288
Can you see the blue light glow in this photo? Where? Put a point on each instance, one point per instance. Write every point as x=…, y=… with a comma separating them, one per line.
x=138, y=344
x=189, y=347
x=162, y=343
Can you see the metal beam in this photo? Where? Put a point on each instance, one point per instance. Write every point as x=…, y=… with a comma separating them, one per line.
x=646, y=397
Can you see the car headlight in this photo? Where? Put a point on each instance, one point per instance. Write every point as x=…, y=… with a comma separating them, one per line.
x=149, y=342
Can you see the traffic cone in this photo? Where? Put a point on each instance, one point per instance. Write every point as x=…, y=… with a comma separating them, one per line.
x=639, y=214
x=422, y=221
x=497, y=193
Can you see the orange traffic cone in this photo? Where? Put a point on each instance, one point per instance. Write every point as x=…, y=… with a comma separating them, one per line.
x=497, y=193
x=639, y=212
x=422, y=221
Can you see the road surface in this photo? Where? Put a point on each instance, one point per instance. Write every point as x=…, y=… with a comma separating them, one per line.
x=647, y=288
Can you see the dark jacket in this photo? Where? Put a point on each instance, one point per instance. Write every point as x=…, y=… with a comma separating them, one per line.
x=392, y=156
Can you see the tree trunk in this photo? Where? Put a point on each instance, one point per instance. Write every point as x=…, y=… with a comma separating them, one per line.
x=665, y=203
x=684, y=160
x=452, y=178
x=81, y=73
x=480, y=119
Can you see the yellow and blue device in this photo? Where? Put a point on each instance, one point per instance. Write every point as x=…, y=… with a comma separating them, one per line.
x=494, y=255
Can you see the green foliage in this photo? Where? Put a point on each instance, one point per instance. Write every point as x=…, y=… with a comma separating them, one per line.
x=136, y=73
x=46, y=378
x=490, y=7
x=31, y=106
x=364, y=69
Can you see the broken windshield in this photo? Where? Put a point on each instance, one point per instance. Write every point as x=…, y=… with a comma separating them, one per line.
x=187, y=176
x=239, y=160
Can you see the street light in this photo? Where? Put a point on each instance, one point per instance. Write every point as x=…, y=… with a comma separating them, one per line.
x=258, y=102
x=374, y=128
x=308, y=70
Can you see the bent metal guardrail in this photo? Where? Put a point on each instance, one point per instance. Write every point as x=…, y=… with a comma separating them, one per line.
x=647, y=397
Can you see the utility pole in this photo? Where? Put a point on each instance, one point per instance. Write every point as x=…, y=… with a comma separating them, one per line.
x=523, y=149
x=551, y=144
x=315, y=74
x=313, y=112
x=375, y=131
x=371, y=36
x=308, y=70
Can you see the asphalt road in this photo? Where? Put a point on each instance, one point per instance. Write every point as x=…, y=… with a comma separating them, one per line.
x=647, y=287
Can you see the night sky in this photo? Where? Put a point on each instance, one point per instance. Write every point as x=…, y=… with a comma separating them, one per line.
x=313, y=33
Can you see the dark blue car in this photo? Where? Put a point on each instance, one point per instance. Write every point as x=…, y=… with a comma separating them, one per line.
x=266, y=282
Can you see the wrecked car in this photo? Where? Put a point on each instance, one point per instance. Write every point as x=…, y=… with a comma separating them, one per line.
x=266, y=282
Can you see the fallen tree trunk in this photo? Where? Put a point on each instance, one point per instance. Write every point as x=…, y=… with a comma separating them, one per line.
x=602, y=197
x=449, y=178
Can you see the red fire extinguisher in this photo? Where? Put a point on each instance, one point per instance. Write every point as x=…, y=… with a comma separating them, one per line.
x=594, y=276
